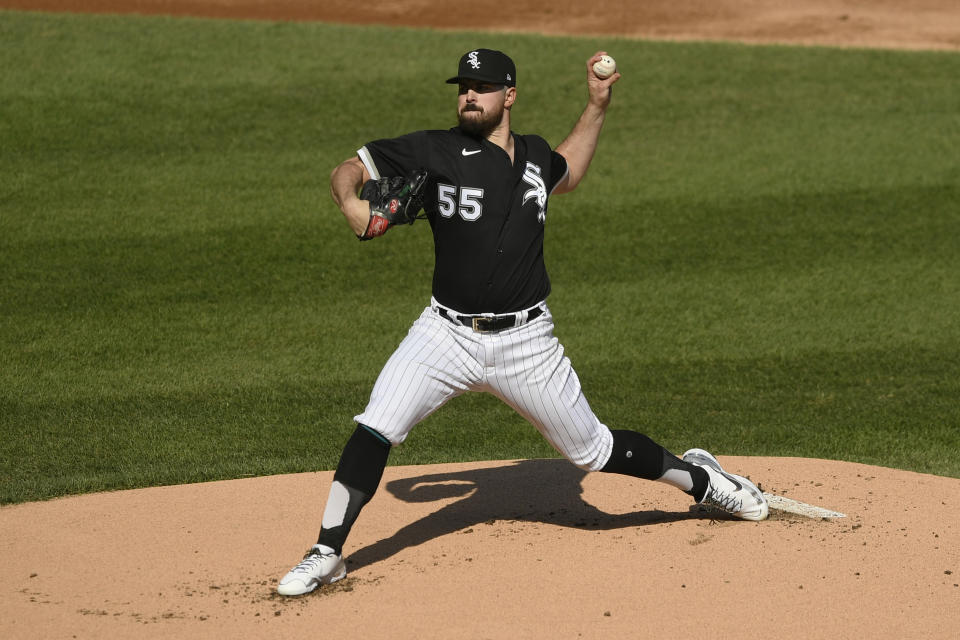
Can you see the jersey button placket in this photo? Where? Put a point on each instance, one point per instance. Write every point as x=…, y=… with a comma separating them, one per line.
x=499, y=253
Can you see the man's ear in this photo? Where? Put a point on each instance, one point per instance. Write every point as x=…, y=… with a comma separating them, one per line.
x=510, y=97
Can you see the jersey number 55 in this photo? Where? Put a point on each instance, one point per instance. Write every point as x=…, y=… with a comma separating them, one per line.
x=467, y=201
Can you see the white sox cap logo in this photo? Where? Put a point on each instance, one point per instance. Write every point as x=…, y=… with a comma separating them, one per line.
x=474, y=62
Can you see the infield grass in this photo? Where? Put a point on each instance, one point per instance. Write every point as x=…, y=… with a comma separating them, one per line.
x=764, y=258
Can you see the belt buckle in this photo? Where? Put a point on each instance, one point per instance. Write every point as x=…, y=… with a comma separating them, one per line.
x=486, y=323
x=491, y=323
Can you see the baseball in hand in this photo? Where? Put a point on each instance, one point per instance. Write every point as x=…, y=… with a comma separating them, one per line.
x=604, y=67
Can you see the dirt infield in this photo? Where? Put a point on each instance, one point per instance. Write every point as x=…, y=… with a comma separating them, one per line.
x=914, y=24
x=517, y=549
x=514, y=549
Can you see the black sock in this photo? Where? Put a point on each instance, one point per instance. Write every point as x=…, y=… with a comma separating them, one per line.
x=635, y=454
x=356, y=480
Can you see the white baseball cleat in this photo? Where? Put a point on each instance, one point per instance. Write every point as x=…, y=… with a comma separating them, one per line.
x=320, y=566
x=732, y=493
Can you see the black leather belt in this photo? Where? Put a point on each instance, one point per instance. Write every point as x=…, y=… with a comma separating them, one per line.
x=490, y=324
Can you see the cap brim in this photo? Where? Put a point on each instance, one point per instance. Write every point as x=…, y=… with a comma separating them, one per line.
x=470, y=76
x=458, y=79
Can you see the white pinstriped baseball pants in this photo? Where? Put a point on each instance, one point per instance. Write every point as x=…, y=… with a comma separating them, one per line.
x=524, y=366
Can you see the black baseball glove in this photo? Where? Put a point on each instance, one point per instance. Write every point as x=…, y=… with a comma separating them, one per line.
x=393, y=201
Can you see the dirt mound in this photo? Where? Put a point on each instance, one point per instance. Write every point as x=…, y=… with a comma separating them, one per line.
x=532, y=549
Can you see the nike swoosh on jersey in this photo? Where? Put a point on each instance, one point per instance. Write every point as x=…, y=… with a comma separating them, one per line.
x=470, y=153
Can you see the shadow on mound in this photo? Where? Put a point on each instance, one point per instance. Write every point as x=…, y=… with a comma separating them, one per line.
x=546, y=491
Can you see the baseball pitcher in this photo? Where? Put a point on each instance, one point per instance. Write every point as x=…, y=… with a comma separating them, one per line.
x=485, y=191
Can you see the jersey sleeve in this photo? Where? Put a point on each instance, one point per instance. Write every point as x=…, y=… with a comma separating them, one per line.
x=393, y=156
x=558, y=170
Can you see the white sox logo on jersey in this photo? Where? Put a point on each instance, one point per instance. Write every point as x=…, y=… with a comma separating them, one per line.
x=538, y=190
x=472, y=59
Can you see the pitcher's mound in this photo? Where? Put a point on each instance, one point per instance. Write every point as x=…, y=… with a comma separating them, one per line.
x=531, y=549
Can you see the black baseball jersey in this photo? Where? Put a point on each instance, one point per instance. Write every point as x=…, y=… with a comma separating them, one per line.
x=487, y=214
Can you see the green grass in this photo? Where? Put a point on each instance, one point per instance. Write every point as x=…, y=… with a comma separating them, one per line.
x=763, y=259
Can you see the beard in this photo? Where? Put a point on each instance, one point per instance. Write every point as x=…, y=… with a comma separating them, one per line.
x=476, y=122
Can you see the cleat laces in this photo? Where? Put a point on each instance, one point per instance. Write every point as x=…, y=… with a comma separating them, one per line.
x=726, y=501
x=310, y=562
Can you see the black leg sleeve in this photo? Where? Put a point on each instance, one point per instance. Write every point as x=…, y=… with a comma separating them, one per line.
x=635, y=454
x=363, y=460
x=360, y=470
